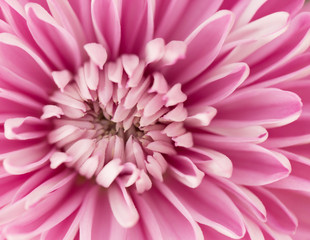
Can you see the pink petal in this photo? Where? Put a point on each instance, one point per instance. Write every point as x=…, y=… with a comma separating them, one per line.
x=83, y=12
x=254, y=165
x=295, y=133
x=277, y=6
x=198, y=59
x=23, y=61
x=28, y=229
x=296, y=68
x=62, y=78
x=97, y=53
x=177, y=224
x=185, y=171
x=216, y=85
x=58, y=44
x=252, y=202
x=28, y=159
x=11, y=81
x=109, y=172
x=278, y=215
x=25, y=128
x=267, y=107
x=299, y=177
x=249, y=38
x=281, y=50
x=209, y=161
x=122, y=206
x=298, y=203
x=64, y=14
x=103, y=213
x=137, y=25
x=207, y=209
x=172, y=14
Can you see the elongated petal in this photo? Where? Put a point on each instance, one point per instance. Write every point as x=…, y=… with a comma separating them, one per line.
x=254, y=165
x=64, y=53
x=267, y=107
x=198, y=59
x=207, y=208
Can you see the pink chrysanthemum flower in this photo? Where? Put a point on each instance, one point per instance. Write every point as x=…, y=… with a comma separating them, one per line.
x=154, y=119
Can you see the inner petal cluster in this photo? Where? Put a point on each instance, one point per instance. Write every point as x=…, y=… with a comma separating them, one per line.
x=118, y=120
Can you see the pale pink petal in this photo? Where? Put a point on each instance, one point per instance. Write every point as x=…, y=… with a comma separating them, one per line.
x=109, y=172
x=97, y=53
x=185, y=171
x=25, y=128
x=61, y=78
x=27, y=159
x=122, y=206
x=209, y=161
x=50, y=111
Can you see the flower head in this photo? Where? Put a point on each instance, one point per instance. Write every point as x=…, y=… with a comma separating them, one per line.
x=154, y=119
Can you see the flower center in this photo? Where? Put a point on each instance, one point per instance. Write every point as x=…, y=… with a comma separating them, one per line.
x=117, y=121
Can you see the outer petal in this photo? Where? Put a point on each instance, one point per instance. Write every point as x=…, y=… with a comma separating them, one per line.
x=27, y=159
x=106, y=20
x=173, y=219
x=271, y=6
x=299, y=177
x=49, y=217
x=278, y=215
x=267, y=107
x=281, y=50
x=137, y=25
x=216, y=84
x=253, y=164
x=172, y=14
x=208, y=208
x=57, y=43
x=198, y=59
x=23, y=61
x=298, y=203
